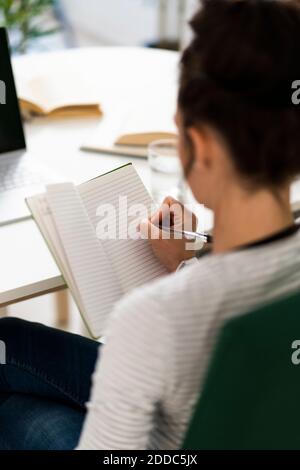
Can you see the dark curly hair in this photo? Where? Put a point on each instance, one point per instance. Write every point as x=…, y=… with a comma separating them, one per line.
x=242, y=53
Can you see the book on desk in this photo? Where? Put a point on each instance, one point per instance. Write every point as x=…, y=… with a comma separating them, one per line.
x=127, y=130
x=61, y=98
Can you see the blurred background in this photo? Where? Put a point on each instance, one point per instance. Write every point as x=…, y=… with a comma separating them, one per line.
x=40, y=25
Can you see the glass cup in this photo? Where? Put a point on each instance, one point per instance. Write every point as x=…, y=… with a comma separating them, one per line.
x=166, y=170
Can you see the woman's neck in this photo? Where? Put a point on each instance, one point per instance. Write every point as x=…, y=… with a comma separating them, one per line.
x=243, y=218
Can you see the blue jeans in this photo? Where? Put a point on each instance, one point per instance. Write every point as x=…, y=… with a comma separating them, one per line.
x=44, y=386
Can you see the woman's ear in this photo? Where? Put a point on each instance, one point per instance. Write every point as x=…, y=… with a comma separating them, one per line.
x=201, y=143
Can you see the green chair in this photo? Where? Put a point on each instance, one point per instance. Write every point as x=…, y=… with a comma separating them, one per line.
x=251, y=396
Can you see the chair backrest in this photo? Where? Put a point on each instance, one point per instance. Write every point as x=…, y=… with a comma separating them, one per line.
x=251, y=396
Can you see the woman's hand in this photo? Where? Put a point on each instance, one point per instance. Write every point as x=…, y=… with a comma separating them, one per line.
x=170, y=249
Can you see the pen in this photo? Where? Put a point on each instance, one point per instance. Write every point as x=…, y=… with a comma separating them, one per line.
x=191, y=235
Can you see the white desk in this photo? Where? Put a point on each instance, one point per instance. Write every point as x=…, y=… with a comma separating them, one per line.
x=114, y=74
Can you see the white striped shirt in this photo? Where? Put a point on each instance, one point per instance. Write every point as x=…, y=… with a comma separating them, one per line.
x=151, y=370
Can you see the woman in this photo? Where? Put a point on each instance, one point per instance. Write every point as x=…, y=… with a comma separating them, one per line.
x=239, y=144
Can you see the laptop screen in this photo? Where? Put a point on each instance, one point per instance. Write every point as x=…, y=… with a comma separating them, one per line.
x=11, y=129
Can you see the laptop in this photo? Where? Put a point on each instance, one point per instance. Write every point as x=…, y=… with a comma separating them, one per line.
x=20, y=174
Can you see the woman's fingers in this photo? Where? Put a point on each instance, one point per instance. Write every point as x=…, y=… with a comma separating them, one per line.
x=171, y=213
x=167, y=212
x=166, y=247
x=149, y=230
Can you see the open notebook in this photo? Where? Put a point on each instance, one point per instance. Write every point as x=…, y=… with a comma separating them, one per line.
x=97, y=271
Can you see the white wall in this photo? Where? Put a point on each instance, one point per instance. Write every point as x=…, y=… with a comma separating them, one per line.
x=114, y=22
x=123, y=22
x=190, y=8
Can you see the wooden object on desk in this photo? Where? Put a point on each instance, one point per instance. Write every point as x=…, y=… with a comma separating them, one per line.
x=128, y=129
x=143, y=139
x=3, y=312
x=60, y=96
x=62, y=305
x=134, y=145
x=31, y=109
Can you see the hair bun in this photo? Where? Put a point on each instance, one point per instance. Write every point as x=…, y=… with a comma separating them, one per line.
x=240, y=54
x=237, y=76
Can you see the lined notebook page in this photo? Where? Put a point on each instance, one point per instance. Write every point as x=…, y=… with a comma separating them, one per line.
x=132, y=260
x=42, y=214
x=92, y=271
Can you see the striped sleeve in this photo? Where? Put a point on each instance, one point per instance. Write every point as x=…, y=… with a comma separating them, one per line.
x=130, y=379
